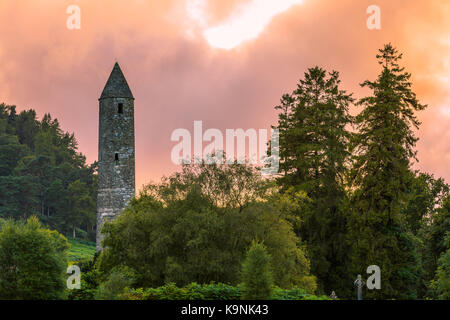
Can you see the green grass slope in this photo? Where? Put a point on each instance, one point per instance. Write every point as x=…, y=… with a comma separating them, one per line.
x=81, y=249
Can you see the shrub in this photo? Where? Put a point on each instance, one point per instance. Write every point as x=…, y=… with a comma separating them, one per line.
x=116, y=285
x=193, y=291
x=211, y=291
x=220, y=291
x=290, y=294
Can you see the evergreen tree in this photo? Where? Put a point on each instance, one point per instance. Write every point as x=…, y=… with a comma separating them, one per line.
x=313, y=124
x=39, y=164
x=256, y=274
x=11, y=151
x=383, y=149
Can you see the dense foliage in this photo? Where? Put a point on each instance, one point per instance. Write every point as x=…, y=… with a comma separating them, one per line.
x=383, y=150
x=33, y=261
x=90, y=280
x=212, y=291
x=197, y=225
x=43, y=174
x=368, y=207
x=441, y=284
x=437, y=252
x=256, y=274
x=314, y=140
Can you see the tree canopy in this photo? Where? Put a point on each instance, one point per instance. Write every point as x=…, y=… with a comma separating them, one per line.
x=33, y=261
x=197, y=225
x=43, y=174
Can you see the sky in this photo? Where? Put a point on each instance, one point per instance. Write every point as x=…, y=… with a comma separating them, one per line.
x=226, y=63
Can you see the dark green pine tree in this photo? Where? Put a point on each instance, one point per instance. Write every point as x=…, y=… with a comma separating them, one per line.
x=383, y=150
x=314, y=139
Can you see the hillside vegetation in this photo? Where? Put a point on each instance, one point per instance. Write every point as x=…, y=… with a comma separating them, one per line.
x=81, y=249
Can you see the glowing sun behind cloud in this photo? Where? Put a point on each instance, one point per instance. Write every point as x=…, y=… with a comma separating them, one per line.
x=243, y=25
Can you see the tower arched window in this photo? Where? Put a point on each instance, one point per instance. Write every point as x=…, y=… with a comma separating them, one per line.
x=120, y=108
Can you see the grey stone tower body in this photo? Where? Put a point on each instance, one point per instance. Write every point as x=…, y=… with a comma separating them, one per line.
x=116, y=154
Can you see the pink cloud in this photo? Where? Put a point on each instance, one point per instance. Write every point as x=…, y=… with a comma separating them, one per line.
x=177, y=79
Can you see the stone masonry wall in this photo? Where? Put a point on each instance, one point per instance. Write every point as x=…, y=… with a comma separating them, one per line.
x=116, y=177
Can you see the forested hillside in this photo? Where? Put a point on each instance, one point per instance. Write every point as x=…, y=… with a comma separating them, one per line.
x=43, y=174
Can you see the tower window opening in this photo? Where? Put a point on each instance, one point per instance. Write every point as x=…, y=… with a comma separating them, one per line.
x=120, y=108
x=116, y=157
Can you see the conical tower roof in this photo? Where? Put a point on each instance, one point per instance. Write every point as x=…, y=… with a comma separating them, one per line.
x=116, y=86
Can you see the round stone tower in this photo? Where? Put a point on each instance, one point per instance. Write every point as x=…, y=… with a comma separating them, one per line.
x=116, y=157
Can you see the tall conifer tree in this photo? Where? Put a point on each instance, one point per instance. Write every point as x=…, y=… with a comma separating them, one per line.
x=383, y=150
x=313, y=124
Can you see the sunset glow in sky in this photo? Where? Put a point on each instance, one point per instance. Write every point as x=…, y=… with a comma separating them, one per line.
x=247, y=24
x=226, y=63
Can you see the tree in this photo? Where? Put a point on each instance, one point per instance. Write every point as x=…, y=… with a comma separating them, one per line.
x=441, y=284
x=256, y=274
x=38, y=163
x=433, y=234
x=11, y=151
x=25, y=126
x=181, y=231
x=81, y=206
x=425, y=195
x=18, y=196
x=33, y=261
x=314, y=138
x=382, y=151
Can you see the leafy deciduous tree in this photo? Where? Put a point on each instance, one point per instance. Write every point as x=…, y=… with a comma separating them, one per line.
x=33, y=261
